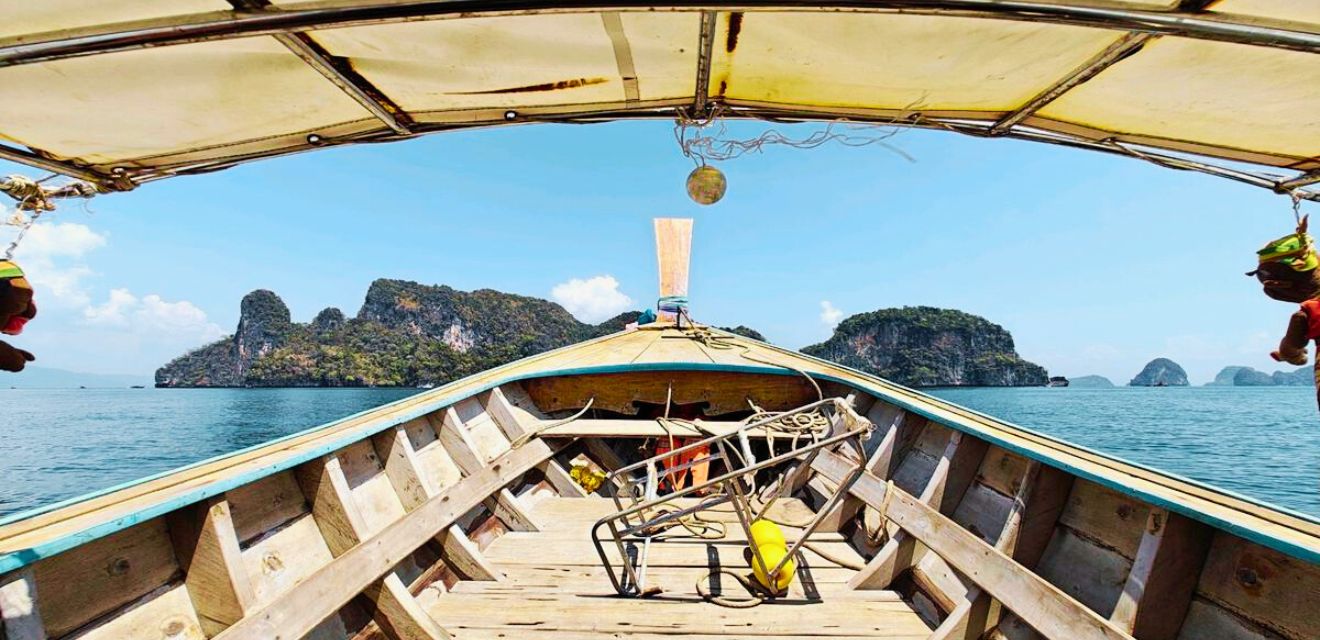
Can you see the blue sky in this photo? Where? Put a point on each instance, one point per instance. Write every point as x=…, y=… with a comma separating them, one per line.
x=1096, y=264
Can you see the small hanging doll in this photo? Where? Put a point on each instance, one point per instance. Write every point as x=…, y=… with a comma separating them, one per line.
x=16, y=308
x=1288, y=272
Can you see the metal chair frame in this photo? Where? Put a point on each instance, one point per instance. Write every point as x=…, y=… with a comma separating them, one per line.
x=631, y=522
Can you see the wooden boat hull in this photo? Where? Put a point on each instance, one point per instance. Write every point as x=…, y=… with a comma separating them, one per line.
x=401, y=521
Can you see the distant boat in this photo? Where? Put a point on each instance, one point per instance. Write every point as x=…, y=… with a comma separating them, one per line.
x=1057, y=381
x=137, y=386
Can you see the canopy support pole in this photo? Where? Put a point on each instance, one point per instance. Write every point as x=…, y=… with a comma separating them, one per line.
x=338, y=72
x=705, y=52
x=1310, y=177
x=226, y=25
x=1123, y=47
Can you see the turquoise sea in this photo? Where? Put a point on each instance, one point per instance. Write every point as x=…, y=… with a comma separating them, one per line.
x=60, y=443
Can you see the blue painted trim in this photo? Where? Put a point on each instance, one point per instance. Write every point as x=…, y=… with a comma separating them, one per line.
x=446, y=396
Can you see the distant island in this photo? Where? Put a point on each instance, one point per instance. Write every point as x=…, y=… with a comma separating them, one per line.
x=1160, y=372
x=1239, y=376
x=929, y=347
x=405, y=334
x=34, y=377
x=410, y=334
x=1090, y=382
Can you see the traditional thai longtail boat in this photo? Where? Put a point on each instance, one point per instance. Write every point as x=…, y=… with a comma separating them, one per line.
x=670, y=479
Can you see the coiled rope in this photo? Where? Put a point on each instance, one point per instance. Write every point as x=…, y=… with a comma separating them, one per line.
x=533, y=433
x=708, y=338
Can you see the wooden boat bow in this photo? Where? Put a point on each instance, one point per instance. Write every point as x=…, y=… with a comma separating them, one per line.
x=383, y=522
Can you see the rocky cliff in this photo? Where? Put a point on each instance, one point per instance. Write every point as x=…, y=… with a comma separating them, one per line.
x=927, y=347
x=1303, y=377
x=1225, y=377
x=746, y=332
x=1160, y=372
x=1248, y=377
x=405, y=334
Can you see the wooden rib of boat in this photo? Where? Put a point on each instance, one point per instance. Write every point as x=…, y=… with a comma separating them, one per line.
x=420, y=519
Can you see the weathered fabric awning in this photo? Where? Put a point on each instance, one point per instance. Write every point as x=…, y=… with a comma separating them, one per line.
x=123, y=92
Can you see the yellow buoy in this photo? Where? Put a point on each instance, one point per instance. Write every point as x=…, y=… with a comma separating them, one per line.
x=586, y=477
x=768, y=540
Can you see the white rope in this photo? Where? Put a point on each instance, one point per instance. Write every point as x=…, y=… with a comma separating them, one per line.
x=32, y=196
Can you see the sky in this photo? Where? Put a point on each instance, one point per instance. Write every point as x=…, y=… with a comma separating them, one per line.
x=1095, y=263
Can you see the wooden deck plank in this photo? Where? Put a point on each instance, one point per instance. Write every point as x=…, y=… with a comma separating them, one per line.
x=679, y=584
x=549, y=634
x=527, y=551
x=572, y=612
x=556, y=578
x=623, y=348
x=555, y=587
x=668, y=347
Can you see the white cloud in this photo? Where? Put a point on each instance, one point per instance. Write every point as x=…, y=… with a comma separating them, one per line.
x=115, y=310
x=60, y=239
x=593, y=299
x=152, y=315
x=51, y=255
x=829, y=315
x=119, y=331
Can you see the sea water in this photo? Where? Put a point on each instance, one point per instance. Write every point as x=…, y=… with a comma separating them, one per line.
x=1260, y=442
x=56, y=444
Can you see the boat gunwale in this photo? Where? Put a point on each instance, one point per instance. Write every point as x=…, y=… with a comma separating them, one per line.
x=450, y=393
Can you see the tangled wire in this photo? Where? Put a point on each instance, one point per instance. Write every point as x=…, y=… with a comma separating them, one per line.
x=692, y=137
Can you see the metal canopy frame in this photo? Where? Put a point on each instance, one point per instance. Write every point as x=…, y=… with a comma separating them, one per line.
x=290, y=26
x=269, y=20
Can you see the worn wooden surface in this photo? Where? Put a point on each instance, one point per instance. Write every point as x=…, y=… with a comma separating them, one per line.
x=1037, y=601
x=144, y=574
x=324, y=592
x=623, y=349
x=556, y=588
x=1159, y=589
x=1265, y=587
x=75, y=588
x=206, y=546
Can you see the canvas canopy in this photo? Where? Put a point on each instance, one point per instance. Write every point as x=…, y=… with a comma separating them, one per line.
x=122, y=92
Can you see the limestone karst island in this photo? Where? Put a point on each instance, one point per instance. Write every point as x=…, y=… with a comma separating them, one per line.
x=409, y=334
